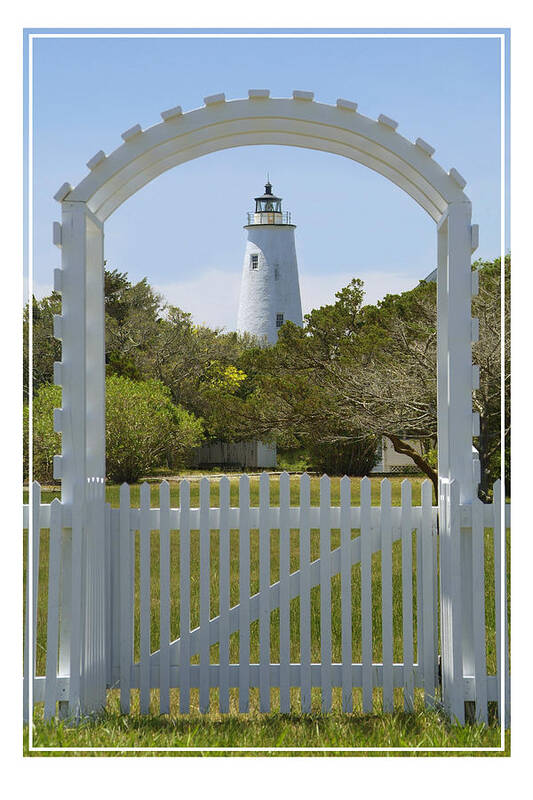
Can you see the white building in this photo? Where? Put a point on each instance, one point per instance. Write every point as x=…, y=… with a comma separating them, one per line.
x=389, y=461
x=270, y=290
x=239, y=455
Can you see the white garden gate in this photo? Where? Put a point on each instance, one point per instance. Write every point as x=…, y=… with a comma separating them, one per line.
x=83, y=649
x=354, y=614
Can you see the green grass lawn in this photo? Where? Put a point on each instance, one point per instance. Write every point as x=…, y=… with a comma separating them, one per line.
x=422, y=729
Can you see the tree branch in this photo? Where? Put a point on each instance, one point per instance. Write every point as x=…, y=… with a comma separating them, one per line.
x=405, y=449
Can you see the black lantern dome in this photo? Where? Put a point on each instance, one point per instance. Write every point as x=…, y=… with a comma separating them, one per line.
x=268, y=202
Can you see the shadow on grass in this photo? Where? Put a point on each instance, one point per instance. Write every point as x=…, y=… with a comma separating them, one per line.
x=420, y=730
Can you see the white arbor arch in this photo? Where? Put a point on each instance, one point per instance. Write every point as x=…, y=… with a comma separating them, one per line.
x=181, y=137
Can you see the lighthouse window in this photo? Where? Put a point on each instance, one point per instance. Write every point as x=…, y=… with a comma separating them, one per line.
x=276, y=273
x=279, y=320
x=254, y=261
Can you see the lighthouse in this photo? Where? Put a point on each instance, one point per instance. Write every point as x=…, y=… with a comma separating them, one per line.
x=270, y=291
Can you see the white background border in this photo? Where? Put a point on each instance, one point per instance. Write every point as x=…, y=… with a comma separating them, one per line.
x=240, y=14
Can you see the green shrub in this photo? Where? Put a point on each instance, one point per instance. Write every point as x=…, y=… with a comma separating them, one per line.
x=46, y=442
x=344, y=458
x=144, y=430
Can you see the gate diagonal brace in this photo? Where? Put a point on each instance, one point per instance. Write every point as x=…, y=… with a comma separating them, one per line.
x=273, y=591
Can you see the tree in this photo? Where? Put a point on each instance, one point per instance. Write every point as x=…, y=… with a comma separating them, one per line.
x=46, y=349
x=46, y=442
x=350, y=375
x=487, y=353
x=198, y=364
x=147, y=338
x=133, y=314
x=346, y=378
x=144, y=429
x=344, y=458
x=355, y=371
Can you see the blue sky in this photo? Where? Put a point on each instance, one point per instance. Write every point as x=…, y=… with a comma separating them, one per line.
x=351, y=221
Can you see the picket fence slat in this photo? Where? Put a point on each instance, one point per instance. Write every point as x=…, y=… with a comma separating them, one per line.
x=145, y=600
x=500, y=584
x=386, y=594
x=366, y=596
x=108, y=595
x=52, y=625
x=264, y=584
x=478, y=591
x=132, y=582
x=103, y=639
x=164, y=599
x=446, y=599
x=507, y=716
x=325, y=592
x=32, y=585
x=224, y=571
x=78, y=584
x=284, y=603
x=305, y=595
x=427, y=622
x=115, y=595
x=244, y=595
x=93, y=663
x=87, y=572
x=457, y=688
x=346, y=595
x=500, y=572
x=434, y=531
x=126, y=627
x=204, y=594
x=87, y=598
x=419, y=597
x=497, y=542
x=36, y=500
x=104, y=575
x=185, y=598
x=65, y=623
x=407, y=596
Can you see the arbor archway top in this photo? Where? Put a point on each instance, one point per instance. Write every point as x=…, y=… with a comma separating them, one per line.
x=261, y=120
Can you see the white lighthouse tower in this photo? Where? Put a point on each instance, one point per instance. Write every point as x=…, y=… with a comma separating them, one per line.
x=270, y=291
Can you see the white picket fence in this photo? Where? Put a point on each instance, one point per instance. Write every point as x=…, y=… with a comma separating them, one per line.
x=462, y=565
x=222, y=552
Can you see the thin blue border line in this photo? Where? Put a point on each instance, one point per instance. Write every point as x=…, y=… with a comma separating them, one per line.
x=25, y=107
x=222, y=31
x=28, y=35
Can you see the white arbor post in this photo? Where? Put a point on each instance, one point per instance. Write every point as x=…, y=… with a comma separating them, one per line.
x=81, y=421
x=455, y=417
